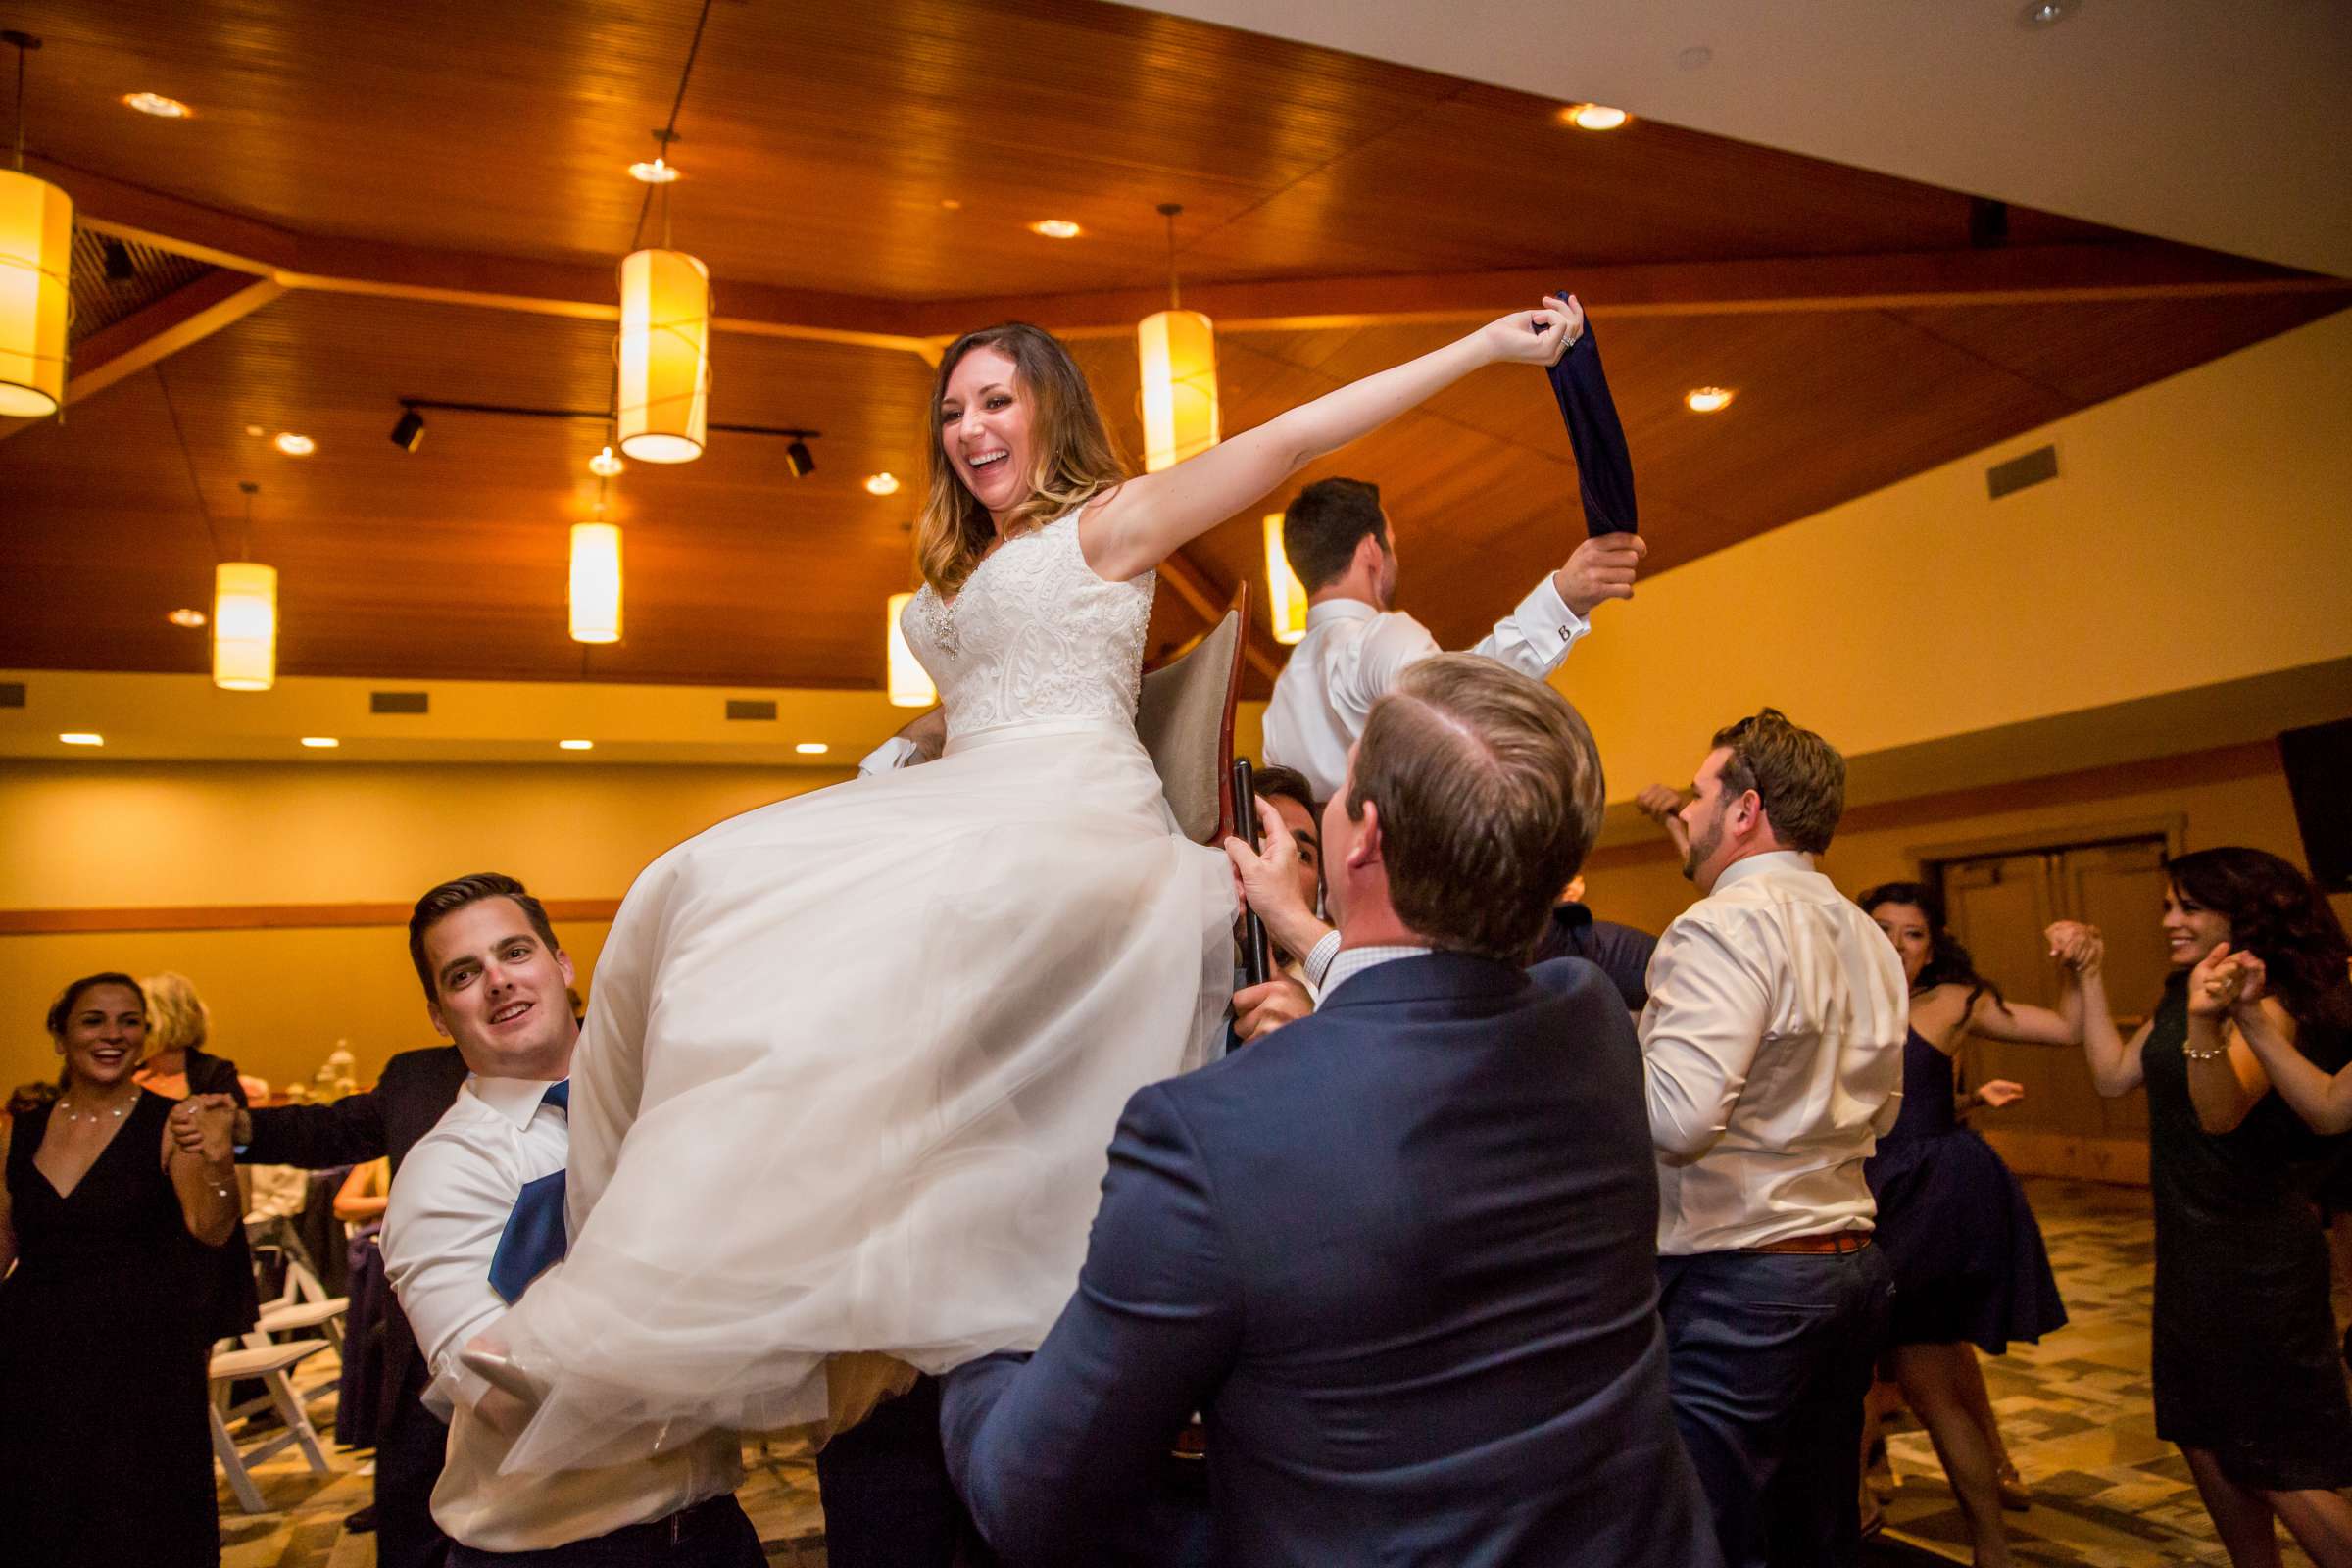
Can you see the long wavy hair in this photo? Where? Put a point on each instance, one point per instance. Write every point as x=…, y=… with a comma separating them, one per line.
x=1949, y=962
x=1072, y=458
x=2276, y=913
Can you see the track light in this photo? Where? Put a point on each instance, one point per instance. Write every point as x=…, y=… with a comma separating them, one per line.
x=408, y=432
x=798, y=461
x=120, y=268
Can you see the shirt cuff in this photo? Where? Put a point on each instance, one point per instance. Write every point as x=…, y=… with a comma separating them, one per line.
x=898, y=751
x=1319, y=963
x=1550, y=625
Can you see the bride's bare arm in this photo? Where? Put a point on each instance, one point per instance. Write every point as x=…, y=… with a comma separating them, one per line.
x=1151, y=517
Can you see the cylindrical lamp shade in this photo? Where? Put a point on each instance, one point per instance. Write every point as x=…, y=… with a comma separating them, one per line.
x=595, y=582
x=664, y=391
x=244, y=627
x=36, y=237
x=1179, y=354
x=909, y=683
x=1286, y=599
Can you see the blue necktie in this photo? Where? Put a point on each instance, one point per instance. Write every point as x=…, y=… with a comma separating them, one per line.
x=533, y=1241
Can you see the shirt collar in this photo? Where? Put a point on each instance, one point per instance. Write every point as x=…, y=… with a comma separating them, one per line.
x=1758, y=864
x=514, y=1098
x=1324, y=611
x=1352, y=961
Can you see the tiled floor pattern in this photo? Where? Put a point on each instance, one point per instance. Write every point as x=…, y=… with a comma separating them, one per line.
x=2075, y=1410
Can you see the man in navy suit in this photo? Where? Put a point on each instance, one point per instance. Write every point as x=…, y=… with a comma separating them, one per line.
x=1399, y=1253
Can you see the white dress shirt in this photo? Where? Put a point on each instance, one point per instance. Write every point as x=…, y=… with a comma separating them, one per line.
x=448, y=1210
x=1353, y=653
x=1773, y=1053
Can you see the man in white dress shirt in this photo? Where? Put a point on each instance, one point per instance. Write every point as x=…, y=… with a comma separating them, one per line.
x=1342, y=547
x=1772, y=1048
x=478, y=1214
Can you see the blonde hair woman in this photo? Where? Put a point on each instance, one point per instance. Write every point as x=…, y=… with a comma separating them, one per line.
x=179, y=1025
x=903, y=1013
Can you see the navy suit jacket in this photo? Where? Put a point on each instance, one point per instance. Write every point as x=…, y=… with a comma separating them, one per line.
x=1401, y=1254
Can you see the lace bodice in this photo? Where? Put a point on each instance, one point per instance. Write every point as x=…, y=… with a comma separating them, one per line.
x=1034, y=634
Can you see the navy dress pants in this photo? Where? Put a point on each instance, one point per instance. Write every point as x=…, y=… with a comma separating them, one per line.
x=1769, y=1357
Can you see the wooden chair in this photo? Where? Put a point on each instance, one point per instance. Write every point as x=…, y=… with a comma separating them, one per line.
x=270, y=1363
x=1185, y=720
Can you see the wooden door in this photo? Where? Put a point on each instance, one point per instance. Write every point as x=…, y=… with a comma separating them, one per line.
x=1999, y=906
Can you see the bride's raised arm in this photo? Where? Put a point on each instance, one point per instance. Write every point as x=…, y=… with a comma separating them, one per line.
x=1151, y=517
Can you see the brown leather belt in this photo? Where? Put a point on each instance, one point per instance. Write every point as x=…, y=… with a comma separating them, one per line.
x=1826, y=1242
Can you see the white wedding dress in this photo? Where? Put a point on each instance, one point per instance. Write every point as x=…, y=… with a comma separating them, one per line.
x=853, y=1060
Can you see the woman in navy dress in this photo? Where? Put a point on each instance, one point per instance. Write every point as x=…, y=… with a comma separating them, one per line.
x=1970, y=1269
x=2244, y=1357
x=115, y=1229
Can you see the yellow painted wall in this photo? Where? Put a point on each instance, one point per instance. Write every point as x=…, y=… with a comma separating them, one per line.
x=138, y=834
x=2200, y=532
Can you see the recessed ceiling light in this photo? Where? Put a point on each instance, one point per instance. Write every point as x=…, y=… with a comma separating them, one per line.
x=1054, y=229
x=1709, y=398
x=951, y=204
x=660, y=171
x=321, y=743
x=81, y=737
x=2046, y=13
x=577, y=746
x=606, y=463
x=813, y=748
x=184, y=616
x=1594, y=116
x=881, y=484
x=156, y=104
x=295, y=446
x=254, y=429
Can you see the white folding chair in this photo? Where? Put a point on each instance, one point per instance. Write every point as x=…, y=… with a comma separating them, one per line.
x=270, y=1363
x=303, y=1304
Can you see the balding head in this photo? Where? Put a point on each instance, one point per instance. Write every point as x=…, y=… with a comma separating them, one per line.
x=1473, y=796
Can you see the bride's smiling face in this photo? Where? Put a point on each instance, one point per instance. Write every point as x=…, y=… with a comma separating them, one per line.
x=984, y=429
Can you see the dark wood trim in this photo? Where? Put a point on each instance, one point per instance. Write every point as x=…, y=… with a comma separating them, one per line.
x=251, y=916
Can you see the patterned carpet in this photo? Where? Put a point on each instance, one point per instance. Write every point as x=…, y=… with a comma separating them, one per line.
x=2075, y=1411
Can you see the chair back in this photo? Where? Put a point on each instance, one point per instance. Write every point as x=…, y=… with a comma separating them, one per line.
x=1185, y=720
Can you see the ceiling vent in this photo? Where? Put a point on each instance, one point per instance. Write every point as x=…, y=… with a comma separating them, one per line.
x=2019, y=473
x=751, y=707
x=398, y=702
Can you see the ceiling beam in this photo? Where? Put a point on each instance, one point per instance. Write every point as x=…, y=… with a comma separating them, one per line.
x=2037, y=275
x=188, y=313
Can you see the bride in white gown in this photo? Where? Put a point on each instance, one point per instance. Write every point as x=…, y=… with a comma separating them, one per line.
x=853, y=1059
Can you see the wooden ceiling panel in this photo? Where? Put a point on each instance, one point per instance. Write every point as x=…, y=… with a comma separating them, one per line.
x=821, y=143
x=892, y=155
x=451, y=560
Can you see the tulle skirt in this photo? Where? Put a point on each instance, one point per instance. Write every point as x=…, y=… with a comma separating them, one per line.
x=888, y=1029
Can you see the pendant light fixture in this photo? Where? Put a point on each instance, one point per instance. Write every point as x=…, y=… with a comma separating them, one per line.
x=662, y=396
x=245, y=617
x=909, y=683
x=1286, y=598
x=596, y=578
x=37, y=238
x=1178, y=350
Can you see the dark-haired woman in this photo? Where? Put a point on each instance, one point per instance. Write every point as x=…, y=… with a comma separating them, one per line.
x=1969, y=1268
x=112, y=1228
x=2245, y=1357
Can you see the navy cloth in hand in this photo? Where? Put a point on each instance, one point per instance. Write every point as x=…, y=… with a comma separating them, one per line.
x=1605, y=468
x=534, y=1239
